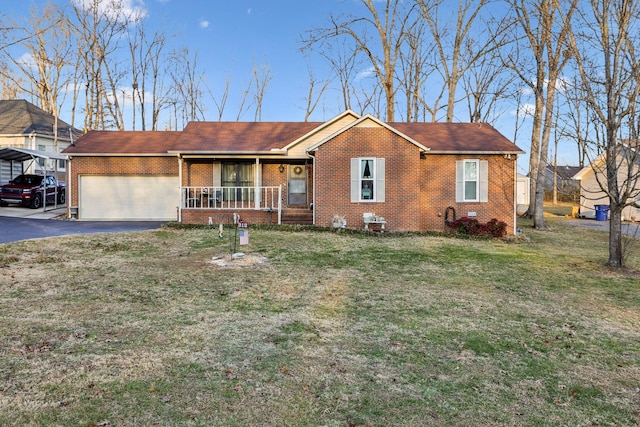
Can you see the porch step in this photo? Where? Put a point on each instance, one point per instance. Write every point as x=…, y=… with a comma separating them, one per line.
x=297, y=217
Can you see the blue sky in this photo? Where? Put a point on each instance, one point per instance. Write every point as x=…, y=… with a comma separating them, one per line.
x=233, y=36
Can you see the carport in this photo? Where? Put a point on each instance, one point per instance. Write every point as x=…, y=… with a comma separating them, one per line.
x=17, y=156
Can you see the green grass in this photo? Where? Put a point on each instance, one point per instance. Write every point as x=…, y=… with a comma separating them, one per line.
x=333, y=329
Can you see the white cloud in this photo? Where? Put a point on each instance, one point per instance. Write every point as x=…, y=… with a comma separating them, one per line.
x=27, y=60
x=525, y=110
x=249, y=11
x=366, y=73
x=563, y=84
x=119, y=10
x=526, y=90
x=204, y=23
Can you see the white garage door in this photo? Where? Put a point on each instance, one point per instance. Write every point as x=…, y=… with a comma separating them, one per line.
x=128, y=197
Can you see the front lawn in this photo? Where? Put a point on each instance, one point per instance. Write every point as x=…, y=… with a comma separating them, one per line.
x=318, y=328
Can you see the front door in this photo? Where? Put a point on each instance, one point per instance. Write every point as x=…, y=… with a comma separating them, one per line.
x=297, y=185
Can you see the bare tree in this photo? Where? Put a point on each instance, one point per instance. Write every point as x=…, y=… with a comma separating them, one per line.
x=185, y=90
x=546, y=28
x=261, y=77
x=9, y=83
x=486, y=86
x=244, y=96
x=344, y=61
x=101, y=27
x=578, y=127
x=43, y=70
x=605, y=52
x=457, y=49
x=415, y=71
x=382, y=49
x=146, y=66
x=221, y=102
x=312, y=99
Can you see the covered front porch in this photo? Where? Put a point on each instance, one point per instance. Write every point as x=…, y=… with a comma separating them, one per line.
x=261, y=188
x=200, y=201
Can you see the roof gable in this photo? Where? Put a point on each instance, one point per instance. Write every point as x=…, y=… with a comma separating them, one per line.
x=368, y=121
x=564, y=172
x=327, y=128
x=627, y=151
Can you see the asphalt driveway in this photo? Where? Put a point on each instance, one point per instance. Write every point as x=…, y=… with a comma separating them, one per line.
x=628, y=228
x=13, y=229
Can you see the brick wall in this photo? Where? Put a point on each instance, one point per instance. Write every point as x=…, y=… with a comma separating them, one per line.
x=225, y=216
x=439, y=191
x=197, y=173
x=418, y=188
x=403, y=179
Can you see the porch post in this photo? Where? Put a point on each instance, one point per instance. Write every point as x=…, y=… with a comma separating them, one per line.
x=257, y=184
x=279, y=204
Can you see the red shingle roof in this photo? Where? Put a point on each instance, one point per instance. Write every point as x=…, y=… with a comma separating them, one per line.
x=252, y=137
x=457, y=137
x=240, y=136
x=124, y=142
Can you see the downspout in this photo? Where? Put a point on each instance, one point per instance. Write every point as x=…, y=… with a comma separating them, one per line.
x=68, y=189
x=515, y=193
x=313, y=200
x=68, y=178
x=180, y=199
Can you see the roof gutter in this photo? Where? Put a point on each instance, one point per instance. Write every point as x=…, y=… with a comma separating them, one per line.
x=502, y=153
x=123, y=154
x=226, y=153
x=34, y=135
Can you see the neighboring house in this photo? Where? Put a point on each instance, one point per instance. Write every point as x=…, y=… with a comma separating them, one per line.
x=591, y=176
x=565, y=182
x=25, y=126
x=407, y=173
x=523, y=191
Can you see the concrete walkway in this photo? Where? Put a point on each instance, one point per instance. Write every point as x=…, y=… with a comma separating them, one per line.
x=24, y=212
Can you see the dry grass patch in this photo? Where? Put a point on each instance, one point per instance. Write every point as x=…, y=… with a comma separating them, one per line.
x=314, y=328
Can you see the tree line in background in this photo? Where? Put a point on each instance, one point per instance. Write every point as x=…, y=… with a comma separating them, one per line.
x=95, y=55
x=418, y=60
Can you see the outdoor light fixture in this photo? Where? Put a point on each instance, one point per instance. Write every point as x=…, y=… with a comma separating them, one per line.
x=281, y=168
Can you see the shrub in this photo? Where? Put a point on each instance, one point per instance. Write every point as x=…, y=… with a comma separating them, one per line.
x=496, y=228
x=471, y=226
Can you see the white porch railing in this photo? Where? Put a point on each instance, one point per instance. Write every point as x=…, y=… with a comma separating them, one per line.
x=258, y=198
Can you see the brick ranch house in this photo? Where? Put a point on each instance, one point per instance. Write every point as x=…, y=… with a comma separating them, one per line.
x=280, y=172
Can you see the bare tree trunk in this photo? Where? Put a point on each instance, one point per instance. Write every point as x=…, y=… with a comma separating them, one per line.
x=610, y=81
x=382, y=52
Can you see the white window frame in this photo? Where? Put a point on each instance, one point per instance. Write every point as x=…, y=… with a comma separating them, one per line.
x=482, y=181
x=466, y=181
x=377, y=178
x=371, y=178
